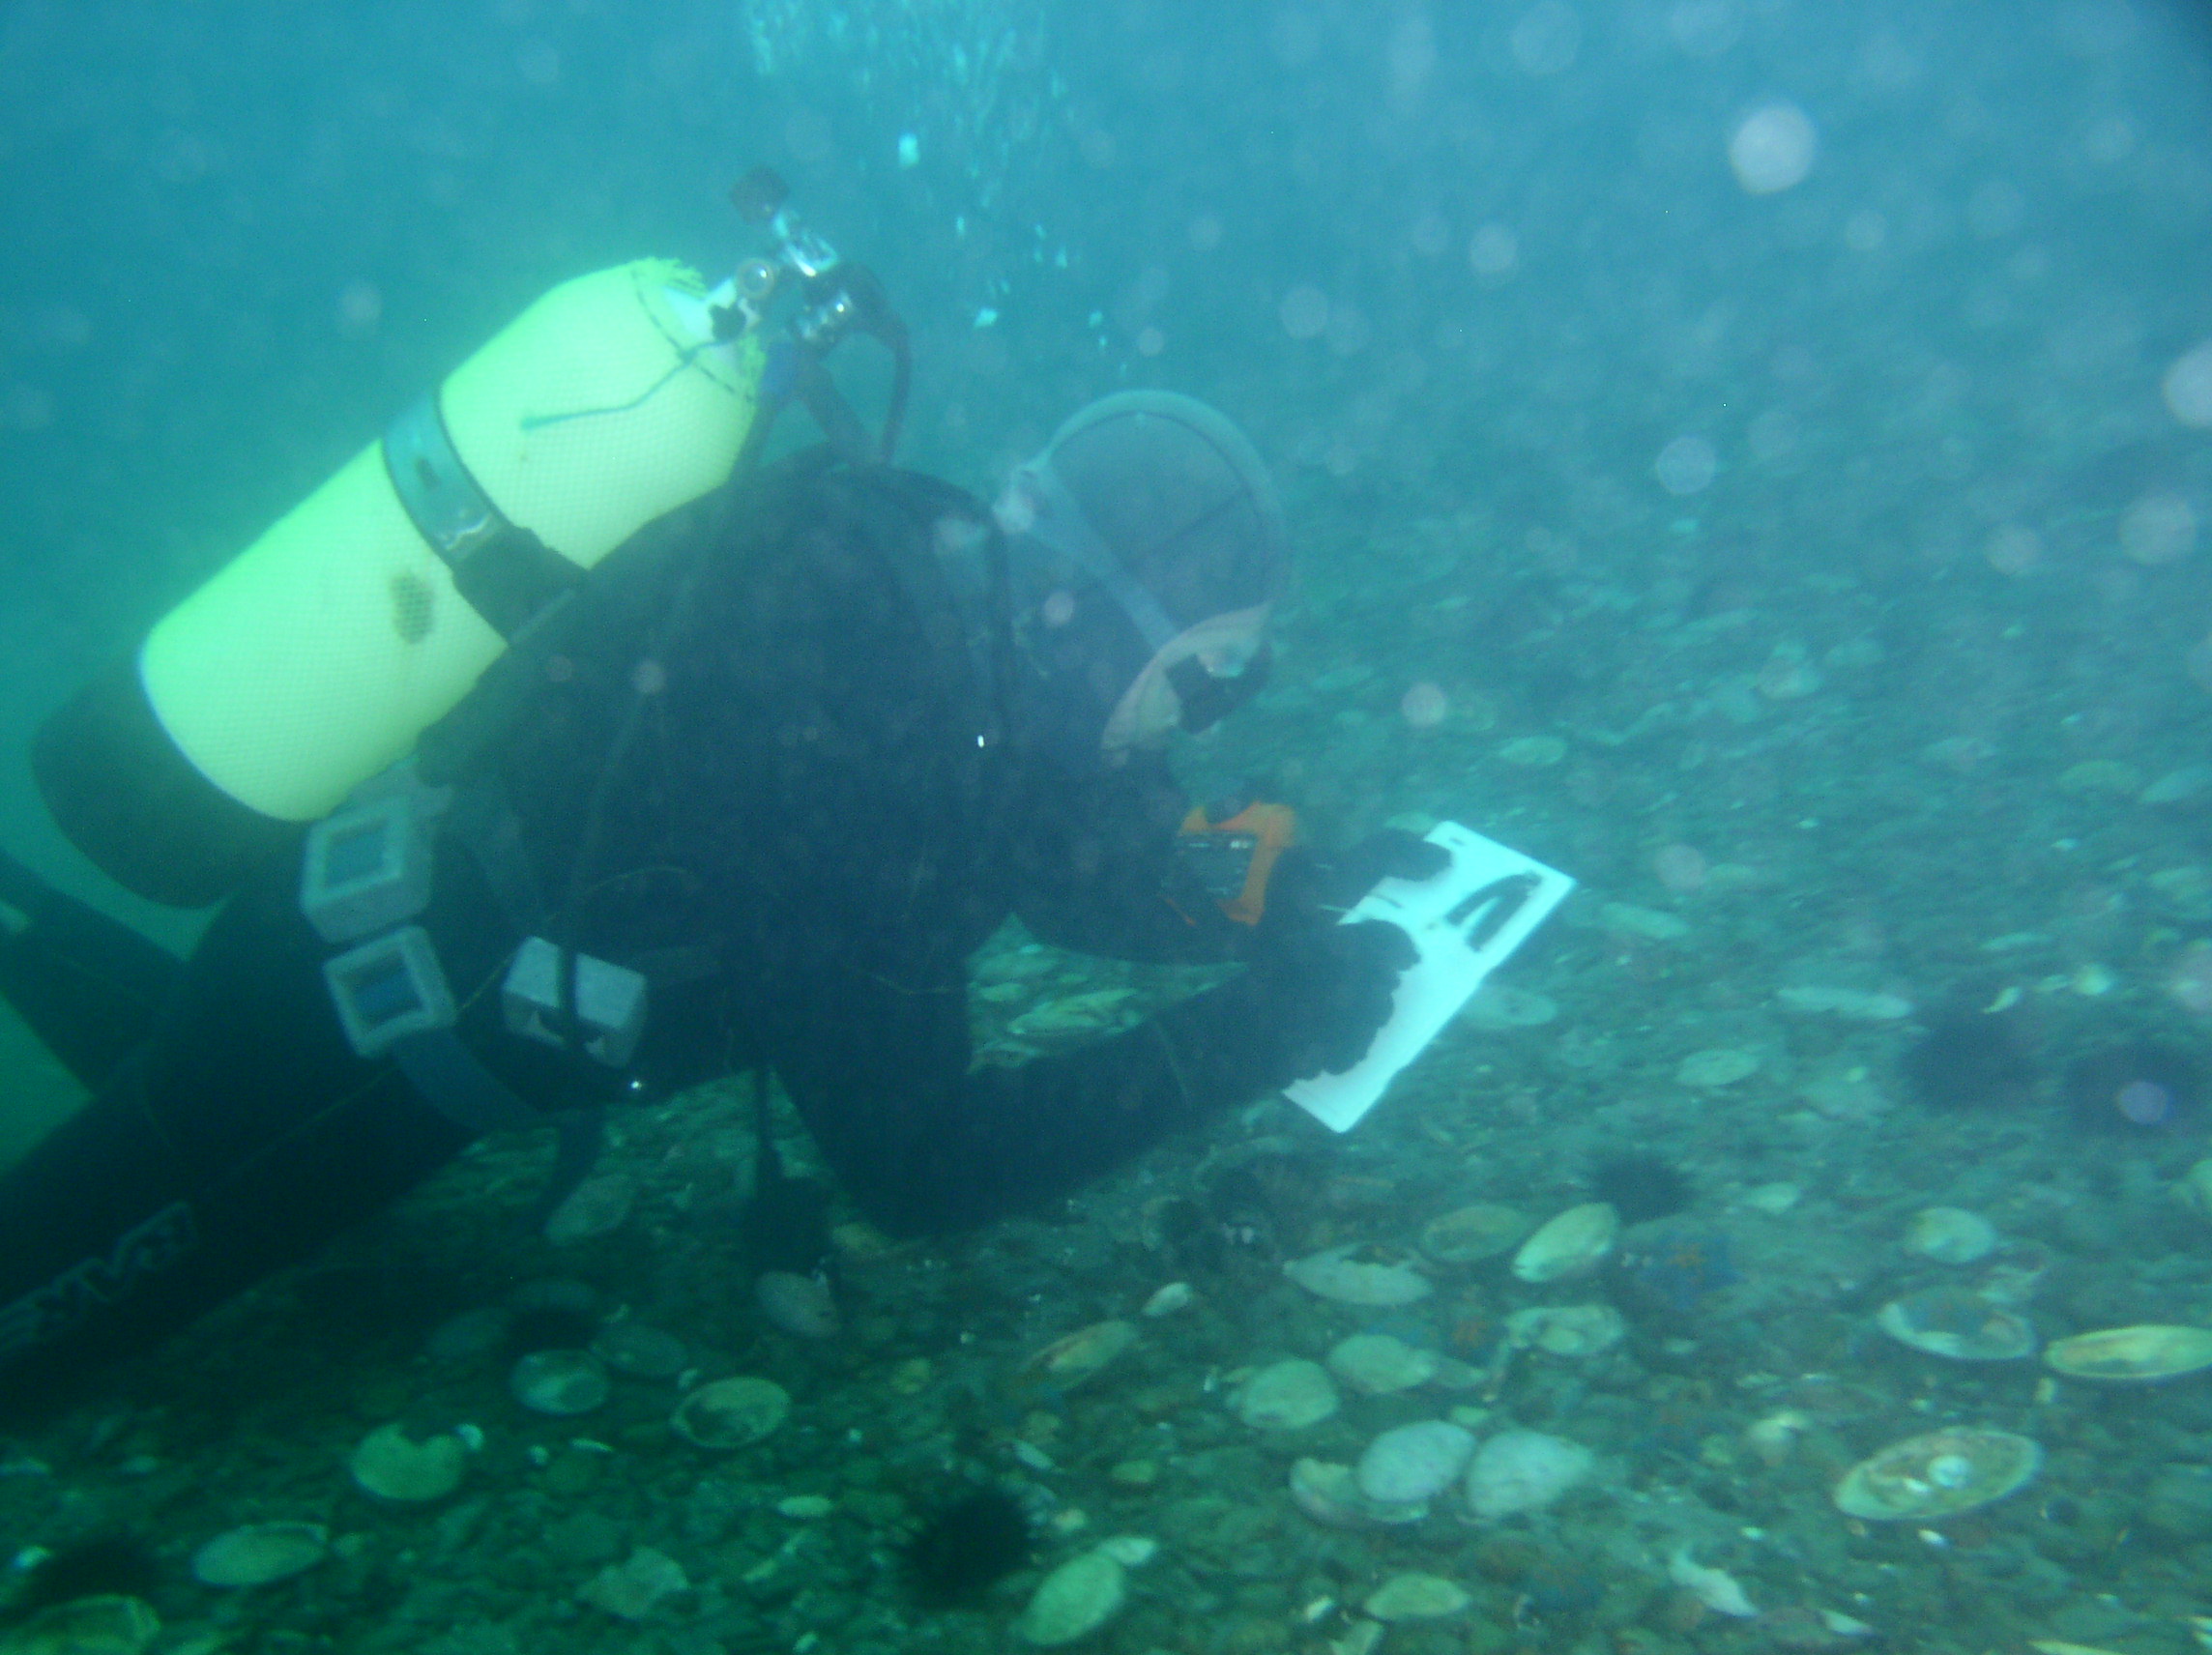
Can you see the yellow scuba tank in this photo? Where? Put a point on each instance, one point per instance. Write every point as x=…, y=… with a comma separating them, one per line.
x=317, y=655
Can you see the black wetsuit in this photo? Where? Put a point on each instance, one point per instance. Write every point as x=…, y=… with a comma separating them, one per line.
x=777, y=771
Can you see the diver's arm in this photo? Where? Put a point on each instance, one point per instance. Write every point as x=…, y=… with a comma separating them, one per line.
x=881, y=1076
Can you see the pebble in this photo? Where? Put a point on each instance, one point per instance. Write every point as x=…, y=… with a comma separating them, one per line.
x=1380, y=1364
x=1417, y=1596
x=1287, y=1396
x=560, y=1383
x=393, y=1466
x=1074, y=1601
x=1413, y=1462
x=259, y=1554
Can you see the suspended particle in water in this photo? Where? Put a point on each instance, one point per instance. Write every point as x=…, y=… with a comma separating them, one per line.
x=1772, y=149
x=1686, y=465
x=2188, y=386
x=2159, y=529
x=1304, y=311
x=2013, y=549
x=1424, y=706
x=1493, y=251
x=908, y=151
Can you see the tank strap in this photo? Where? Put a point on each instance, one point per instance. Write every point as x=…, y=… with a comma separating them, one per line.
x=506, y=573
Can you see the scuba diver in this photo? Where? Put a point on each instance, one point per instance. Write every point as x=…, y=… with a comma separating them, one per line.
x=744, y=793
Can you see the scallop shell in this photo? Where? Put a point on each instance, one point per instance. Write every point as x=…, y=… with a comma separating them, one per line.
x=1335, y=1273
x=731, y=1413
x=1939, y=1474
x=2149, y=1350
x=1567, y=1329
x=1959, y=1325
x=1950, y=1235
x=1470, y=1235
x=1075, y=1357
x=1572, y=1244
x=259, y=1554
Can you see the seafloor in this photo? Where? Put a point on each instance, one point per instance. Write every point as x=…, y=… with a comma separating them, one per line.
x=1767, y=783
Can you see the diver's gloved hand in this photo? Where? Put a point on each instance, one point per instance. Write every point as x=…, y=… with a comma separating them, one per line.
x=1309, y=888
x=1317, y=995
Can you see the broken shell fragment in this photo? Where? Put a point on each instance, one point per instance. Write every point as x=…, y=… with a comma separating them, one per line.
x=2149, y=1350
x=1939, y=1474
x=1572, y=1244
x=1959, y=1325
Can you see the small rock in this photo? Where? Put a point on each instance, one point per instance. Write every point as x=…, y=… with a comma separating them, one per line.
x=1417, y=1596
x=259, y=1554
x=630, y=1589
x=1073, y=1601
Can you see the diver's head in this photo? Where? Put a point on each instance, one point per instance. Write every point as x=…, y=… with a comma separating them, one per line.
x=1145, y=549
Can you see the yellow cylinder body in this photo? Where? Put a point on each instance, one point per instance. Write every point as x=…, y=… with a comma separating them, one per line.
x=316, y=657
